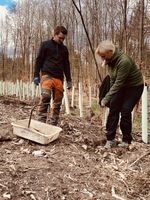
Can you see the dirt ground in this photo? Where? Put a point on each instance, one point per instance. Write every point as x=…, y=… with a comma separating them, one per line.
x=74, y=167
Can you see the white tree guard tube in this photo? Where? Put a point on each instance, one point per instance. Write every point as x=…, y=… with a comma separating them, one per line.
x=33, y=89
x=80, y=100
x=37, y=91
x=23, y=91
x=3, y=88
x=17, y=88
x=90, y=96
x=66, y=99
x=72, y=97
x=28, y=95
x=144, y=116
x=0, y=87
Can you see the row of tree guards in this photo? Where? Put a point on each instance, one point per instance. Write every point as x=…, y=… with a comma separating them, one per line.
x=28, y=91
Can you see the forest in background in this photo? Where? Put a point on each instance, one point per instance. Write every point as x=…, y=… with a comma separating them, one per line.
x=125, y=22
x=76, y=165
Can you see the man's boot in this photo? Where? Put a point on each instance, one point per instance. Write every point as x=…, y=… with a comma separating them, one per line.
x=54, y=120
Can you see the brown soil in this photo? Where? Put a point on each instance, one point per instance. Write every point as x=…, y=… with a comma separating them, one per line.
x=74, y=167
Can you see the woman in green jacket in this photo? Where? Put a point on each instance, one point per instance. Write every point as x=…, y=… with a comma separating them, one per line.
x=126, y=87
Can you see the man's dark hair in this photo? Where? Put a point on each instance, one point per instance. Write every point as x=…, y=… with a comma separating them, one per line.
x=60, y=29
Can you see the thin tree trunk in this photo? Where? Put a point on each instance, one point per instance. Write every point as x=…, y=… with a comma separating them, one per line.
x=125, y=25
x=141, y=37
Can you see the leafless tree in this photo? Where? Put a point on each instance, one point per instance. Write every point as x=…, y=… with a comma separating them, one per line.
x=31, y=21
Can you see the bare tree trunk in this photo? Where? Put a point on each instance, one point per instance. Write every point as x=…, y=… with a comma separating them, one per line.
x=125, y=25
x=31, y=22
x=87, y=34
x=3, y=66
x=141, y=36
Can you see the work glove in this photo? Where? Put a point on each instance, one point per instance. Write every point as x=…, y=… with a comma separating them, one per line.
x=102, y=103
x=36, y=80
x=69, y=85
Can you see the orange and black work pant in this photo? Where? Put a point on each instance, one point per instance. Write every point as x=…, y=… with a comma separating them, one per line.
x=50, y=87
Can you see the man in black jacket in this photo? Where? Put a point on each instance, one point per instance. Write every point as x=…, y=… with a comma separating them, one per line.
x=52, y=63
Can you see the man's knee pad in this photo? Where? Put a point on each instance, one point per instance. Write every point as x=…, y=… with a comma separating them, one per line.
x=45, y=96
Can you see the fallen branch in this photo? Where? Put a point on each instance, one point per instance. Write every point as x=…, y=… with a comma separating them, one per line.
x=115, y=195
x=1, y=185
x=137, y=160
x=13, y=100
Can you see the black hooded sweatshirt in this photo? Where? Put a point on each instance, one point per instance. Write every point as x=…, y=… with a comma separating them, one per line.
x=53, y=60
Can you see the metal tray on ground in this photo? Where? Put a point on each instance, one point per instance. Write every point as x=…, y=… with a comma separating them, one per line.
x=39, y=132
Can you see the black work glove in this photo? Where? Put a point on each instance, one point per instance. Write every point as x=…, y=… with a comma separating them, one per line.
x=36, y=80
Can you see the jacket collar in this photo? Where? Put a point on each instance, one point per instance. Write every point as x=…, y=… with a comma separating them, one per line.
x=115, y=56
x=56, y=42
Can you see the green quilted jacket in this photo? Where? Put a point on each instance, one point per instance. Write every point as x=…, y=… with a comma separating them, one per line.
x=123, y=73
